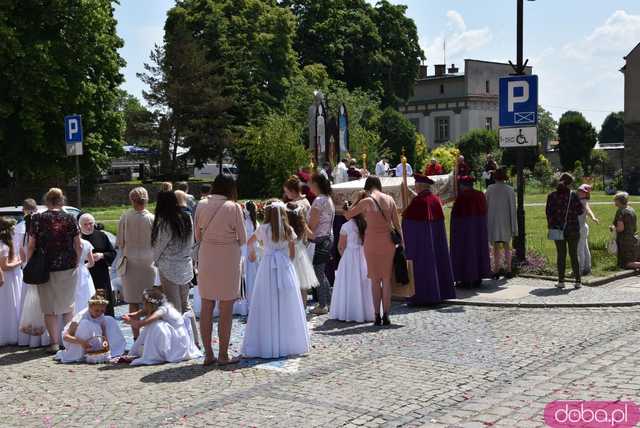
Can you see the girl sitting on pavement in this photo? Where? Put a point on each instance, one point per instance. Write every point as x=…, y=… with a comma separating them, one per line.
x=165, y=336
x=92, y=331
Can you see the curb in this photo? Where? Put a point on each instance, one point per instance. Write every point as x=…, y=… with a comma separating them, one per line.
x=596, y=282
x=499, y=304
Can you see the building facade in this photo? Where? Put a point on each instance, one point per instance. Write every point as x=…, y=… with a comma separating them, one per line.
x=631, y=71
x=447, y=104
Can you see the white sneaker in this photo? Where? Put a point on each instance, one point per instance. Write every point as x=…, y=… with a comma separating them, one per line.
x=560, y=285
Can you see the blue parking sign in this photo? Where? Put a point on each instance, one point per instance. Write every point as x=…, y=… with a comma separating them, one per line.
x=518, y=101
x=73, y=129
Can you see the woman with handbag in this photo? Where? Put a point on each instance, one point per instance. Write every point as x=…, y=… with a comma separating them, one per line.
x=134, y=240
x=383, y=228
x=54, y=238
x=220, y=234
x=563, y=209
x=625, y=226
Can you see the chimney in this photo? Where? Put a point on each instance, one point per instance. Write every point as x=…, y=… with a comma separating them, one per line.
x=440, y=69
x=453, y=69
x=422, y=71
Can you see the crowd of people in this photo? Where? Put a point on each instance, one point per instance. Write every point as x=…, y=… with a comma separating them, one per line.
x=264, y=262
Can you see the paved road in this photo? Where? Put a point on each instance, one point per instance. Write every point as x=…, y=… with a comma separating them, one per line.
x=451, y=366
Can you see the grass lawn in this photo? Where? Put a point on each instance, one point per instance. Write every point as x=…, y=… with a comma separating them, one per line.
x=603, y=262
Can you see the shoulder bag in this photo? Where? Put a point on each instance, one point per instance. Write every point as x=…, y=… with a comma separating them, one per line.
x=558, y=234
x=36, y=272
x=196, y=246
x=401, y=272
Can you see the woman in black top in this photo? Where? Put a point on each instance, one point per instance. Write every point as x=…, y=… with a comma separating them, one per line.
x=103, y=254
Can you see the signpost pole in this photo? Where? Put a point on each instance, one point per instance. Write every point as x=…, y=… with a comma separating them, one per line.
x=521, y=241
x=78, y=181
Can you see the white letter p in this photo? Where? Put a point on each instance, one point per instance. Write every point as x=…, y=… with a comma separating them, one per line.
x=512, y=98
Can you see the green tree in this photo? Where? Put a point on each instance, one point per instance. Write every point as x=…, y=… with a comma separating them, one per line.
x=446, y=155
x=476, y=143
x=547, y=127
x=373, y=48
x=271, y=150
x=577, y=138
x=397, y=134
x=612, y=130
x=140, y=125
x=543, y=172
x=57, y=58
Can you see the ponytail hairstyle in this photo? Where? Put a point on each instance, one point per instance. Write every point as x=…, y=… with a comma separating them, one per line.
x=6, y=234
x=295, y=215
x=275, y=214
x=253, y=213
x=359, y=219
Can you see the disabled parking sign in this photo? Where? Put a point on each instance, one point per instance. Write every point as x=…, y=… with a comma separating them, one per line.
x=518, y=101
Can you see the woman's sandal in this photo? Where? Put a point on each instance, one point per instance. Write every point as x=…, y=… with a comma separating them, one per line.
x=230, y=361
x=209, y=361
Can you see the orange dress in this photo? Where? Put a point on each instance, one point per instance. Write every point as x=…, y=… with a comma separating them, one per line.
x=219, y=259
x=378, y=247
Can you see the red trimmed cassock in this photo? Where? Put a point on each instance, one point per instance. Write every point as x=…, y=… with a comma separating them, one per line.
x=425, y=239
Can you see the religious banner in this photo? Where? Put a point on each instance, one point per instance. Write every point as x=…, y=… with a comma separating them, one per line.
x=343, y=126
x=321, y=143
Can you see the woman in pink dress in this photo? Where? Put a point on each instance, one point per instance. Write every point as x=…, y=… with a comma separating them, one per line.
x=221, y=233
x=379, y=249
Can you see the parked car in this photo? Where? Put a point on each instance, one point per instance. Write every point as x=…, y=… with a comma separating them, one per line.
x=210, y=171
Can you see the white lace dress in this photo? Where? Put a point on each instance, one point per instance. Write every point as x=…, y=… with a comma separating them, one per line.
x=85, y=288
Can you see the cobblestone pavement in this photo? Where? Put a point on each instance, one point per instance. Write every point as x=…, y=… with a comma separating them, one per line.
x=460, y=366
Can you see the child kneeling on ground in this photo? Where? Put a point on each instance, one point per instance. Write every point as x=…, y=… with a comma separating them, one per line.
x=164, y=336
x=91, y=335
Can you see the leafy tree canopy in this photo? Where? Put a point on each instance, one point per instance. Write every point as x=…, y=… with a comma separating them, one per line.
x=58, y=58
x=398, y=134
x=577, y=138
x=612, y=129
x=476, y=143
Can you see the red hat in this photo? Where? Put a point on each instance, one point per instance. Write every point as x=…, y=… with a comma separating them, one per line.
x=420, y=178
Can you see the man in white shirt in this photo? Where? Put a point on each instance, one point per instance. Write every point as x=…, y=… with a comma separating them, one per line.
x=340, y=172
x=382, y=168
x=399, y=170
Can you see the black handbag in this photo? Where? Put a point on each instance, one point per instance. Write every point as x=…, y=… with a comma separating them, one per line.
x=36, y=272
x=401, y=272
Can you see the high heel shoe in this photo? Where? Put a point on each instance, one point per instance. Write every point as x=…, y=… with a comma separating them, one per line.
x=386, y=320
x=378, y=320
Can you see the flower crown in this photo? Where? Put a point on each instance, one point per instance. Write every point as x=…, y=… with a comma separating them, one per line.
x=153, y=300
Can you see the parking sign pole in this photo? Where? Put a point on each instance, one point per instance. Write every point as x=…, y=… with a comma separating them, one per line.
x=78, y=181
x=521, y=246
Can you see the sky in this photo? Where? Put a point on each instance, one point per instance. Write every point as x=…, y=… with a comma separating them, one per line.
x=576, y=47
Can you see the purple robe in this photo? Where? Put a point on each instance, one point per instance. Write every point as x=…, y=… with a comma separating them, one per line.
x=426, y=245
x=469, y=237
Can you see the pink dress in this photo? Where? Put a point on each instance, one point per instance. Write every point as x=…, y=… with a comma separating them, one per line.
x=378, y=247
x=219, y=259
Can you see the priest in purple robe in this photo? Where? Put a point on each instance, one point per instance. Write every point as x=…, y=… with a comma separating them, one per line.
x=469, y=236
x=425, y=240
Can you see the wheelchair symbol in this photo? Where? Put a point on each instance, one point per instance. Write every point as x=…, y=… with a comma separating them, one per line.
x=521, y=139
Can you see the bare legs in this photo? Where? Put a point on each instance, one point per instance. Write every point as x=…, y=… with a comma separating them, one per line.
x=498, y=250
x=386, y=295
x=224, y=330
x=134, y=307
x=206, y=327
x=376, y=292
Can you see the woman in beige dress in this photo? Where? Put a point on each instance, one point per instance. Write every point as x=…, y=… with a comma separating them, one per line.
x=134, y=241
x=221, y=232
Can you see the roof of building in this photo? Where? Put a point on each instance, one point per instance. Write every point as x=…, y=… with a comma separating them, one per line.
x=461, y=75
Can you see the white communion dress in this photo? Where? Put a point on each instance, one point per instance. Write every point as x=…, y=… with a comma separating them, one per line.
x=304, y=269
x=352, y=299
x=88, y=328
x=85, y=288
x=10, y=302
x=167, y=340
x=277, y=324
